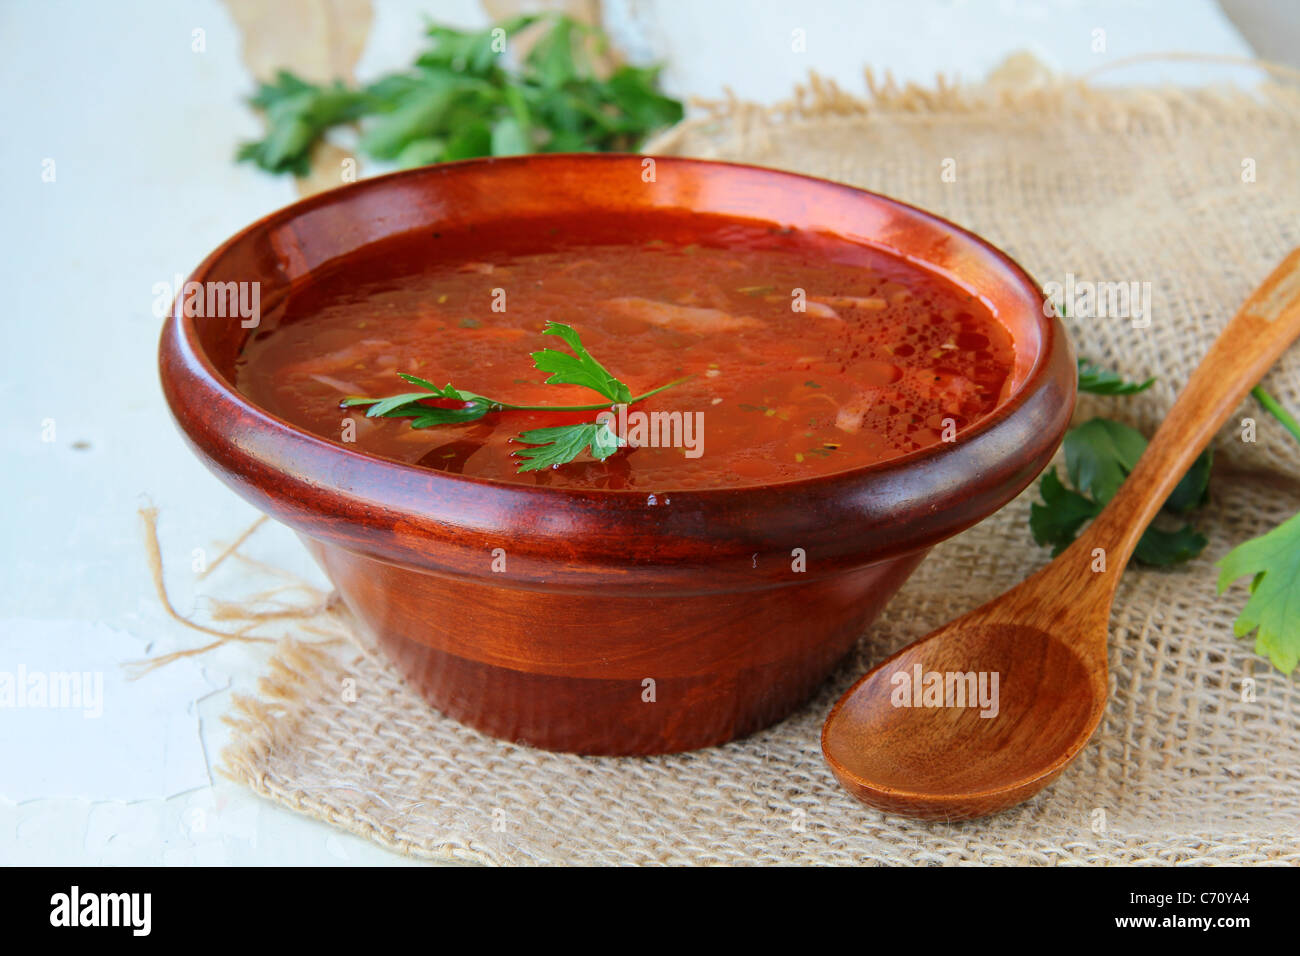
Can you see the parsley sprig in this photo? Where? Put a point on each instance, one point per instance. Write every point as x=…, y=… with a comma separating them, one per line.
x=557, y=445
x=459, y=100
x=1102, y=381
x=1273, y=562
x=1273, y=611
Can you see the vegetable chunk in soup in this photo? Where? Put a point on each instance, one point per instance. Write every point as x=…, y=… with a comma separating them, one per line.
x=803, y=354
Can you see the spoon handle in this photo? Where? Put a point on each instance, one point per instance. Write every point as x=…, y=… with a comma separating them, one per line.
x=1261, y=332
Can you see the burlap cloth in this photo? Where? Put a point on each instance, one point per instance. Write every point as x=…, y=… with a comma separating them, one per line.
x=1124, y=185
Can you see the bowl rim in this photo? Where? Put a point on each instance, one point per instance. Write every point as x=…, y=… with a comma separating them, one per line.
x=190, y=377
x=285, y=213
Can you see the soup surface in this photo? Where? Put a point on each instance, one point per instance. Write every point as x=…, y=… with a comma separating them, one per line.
x=805, y=354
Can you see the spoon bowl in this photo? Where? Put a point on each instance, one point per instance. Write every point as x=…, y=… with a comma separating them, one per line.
x=943, y=729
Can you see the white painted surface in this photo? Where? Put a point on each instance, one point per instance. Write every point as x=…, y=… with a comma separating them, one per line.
x=141, y=131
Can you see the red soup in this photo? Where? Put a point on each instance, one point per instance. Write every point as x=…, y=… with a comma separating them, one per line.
x=802, y=354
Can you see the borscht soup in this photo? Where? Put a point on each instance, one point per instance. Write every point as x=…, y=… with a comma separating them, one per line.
x=788, y=354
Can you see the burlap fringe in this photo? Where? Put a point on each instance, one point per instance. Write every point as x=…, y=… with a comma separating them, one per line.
x=1021, y=85
x=250, y=609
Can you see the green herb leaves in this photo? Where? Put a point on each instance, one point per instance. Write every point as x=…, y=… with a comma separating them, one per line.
x=457, y=101
x=1057, y=520
x=555, y=446
x=297, y=114
x=579, y=368
x=1101, y=381
x=1099, y=454
x=1273, y=562
x=562, y=444
x=411, y=404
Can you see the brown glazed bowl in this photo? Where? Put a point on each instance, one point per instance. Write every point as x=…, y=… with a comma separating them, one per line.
x=621, y=625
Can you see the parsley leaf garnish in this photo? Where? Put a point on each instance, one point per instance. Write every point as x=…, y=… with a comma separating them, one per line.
x=411, y=404
x=562, y=444
x=555, y=446
x=578, y=369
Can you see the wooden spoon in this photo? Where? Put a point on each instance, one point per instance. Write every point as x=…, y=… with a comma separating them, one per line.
x=1044, y=640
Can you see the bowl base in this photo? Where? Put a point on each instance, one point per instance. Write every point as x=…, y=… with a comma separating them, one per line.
x=618, y=676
